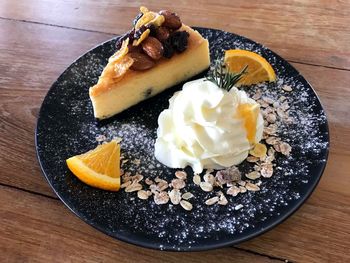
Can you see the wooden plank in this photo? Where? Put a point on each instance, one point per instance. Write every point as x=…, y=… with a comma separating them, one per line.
x=315, y=32
x=36, y=229
x=31, y=58
x=299, y=238
x=318, y=232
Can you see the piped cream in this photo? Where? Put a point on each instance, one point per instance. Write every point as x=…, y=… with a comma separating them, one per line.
x=207, y=127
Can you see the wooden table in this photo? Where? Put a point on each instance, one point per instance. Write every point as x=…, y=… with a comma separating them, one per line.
x=40, y=38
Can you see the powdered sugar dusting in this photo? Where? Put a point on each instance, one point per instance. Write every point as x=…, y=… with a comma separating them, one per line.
x=168, y=226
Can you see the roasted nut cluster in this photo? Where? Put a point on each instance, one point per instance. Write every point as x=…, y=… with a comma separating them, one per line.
x=153, y=41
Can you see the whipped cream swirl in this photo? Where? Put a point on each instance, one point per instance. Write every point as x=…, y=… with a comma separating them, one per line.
x=205, y=127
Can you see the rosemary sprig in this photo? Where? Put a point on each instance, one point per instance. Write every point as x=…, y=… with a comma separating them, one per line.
x=220, y=76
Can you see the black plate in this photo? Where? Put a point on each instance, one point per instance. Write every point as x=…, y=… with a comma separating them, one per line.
x=66, y=127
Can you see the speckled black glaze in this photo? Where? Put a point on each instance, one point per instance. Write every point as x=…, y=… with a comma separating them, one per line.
x=66, y=127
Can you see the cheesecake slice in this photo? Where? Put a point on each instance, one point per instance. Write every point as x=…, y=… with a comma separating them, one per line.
x=121, y=86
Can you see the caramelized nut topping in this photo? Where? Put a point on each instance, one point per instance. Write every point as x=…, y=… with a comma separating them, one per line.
x=141, y=61
x=172, y=20
x=153, y=48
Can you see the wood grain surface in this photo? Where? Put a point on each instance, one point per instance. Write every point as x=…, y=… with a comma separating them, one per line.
x=40, y=38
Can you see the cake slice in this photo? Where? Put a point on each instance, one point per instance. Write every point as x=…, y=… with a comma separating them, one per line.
x=156, y=54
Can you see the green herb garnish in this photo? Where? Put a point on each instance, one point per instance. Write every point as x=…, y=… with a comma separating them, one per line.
x=220, y=75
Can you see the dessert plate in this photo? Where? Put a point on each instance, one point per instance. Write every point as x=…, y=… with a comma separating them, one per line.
x=66, y=127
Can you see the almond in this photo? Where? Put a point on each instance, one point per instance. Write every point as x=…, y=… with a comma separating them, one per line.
x=141, y=61
x=153, y=48
x=172, y=20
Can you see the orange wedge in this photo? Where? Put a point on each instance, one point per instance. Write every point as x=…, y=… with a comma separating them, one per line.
x=99, y=167
x=259, y=70
x=249, y=113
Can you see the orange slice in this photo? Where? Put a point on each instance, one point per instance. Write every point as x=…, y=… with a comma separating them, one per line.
x=99, y=167
x=259, y=70
x=249, y=113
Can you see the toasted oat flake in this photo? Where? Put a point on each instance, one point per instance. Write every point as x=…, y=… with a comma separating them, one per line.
x=186, y=205
x=234, y=190
x=142, y=194
x=181, y=175
x=222, y=199
x=205, y=186
x=285, y=106
x=268, y=100
x=126, y=177
x=253, y=175
x=196, y=179
x=161, y=198
x=271, y=118
x=175, y=196
x=149, y=181
x=285, y=148
x=252, y=187
x=162, y=185
x=263, y=103
x=269, y=158
x=277, y=147
x=187, y=196
x=287, y=88
x=242, y=189
x=178, y=183
x=272, y=140
x=135, y=186
x=282, y=98
x=126, y=184
x=266, y=170
x=276, y=104
x=157, y=179
x=271, y=129
x=137, y=177
x=271, y=151
x=209, y=178
x=242, y=183
x=212, y=200
x=153, y=188
x=257, y=95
